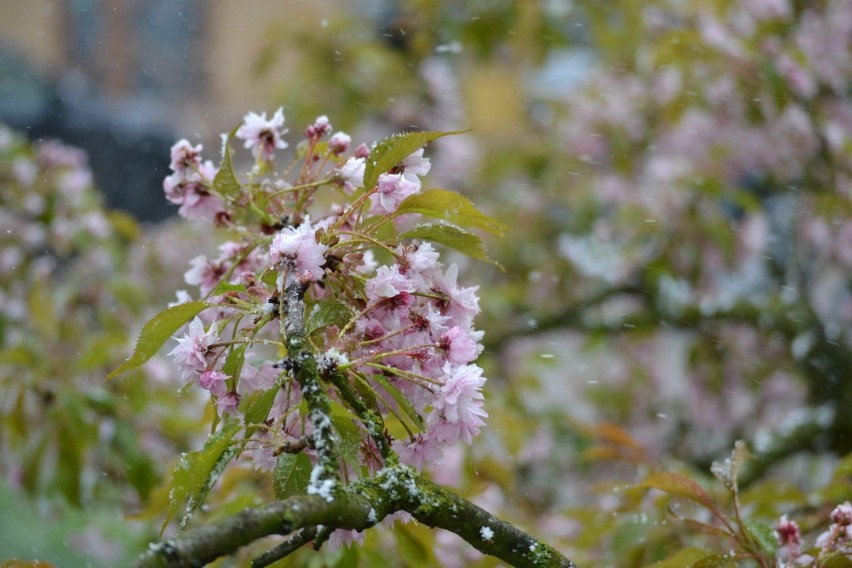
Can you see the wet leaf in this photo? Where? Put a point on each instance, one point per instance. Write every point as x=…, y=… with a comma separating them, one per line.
x=764, y=534
x=291, y=476
x=225, y=286
x=394, y=149
x=681, y=486
x=449, y=206
x=155, y=333
x=451, y=236
x=350, y=435
x=327, y=312
x=259, y=407
x=195, y=473
x=226, y=183
x=401, y=400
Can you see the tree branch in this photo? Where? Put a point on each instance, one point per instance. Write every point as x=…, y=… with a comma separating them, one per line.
x=358, y=507
x=325, y=479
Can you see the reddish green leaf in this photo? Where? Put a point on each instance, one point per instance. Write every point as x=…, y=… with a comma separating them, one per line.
x=691, y=558
x=680, y=485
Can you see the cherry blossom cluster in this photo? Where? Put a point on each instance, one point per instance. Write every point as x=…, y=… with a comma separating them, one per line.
x=837, y=540
x=400, y=330
x=190, y=186
x=49, y=211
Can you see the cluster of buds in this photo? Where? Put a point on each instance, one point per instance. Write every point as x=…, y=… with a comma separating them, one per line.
x=836, y=541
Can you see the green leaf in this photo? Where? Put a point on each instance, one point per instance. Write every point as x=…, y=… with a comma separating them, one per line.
x=226, y=183
x=327, y=312
x=260, y=406
x=291, y=476
x=685, y=558
x=154, y=333
x=350, y=435
x=836, y=560
x=449, y=206
x=763, y=534
x=394, y=149
x=196, y=472
x=234, y=362
x=225, y=286
x=680, y=485
x=400, y=399
x=451, y=236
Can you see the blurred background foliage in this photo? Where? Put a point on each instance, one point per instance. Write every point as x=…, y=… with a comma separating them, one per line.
x=676, y=176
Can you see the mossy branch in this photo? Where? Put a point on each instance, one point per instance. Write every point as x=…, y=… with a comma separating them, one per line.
x=304, y=366
x=358, y=507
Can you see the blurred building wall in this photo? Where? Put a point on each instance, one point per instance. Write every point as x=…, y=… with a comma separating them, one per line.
x=119, y=76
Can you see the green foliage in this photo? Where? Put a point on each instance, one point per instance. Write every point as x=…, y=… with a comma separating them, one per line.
x=226, y=182
x=450, y=236
x=350, y=436
x=291, y=476
x=393, y=150
x=156, y=332
x=450, y=206
x=416, y=421
x=257, y=408
x=680, y=485
x=196, y=472
x=328, y=311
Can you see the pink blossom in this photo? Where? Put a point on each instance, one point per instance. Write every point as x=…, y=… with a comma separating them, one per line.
x=263, y=136
x=461, y=346
x=300, y=247
x=462, y=304
x=182, y=297
x=228, y=403
x=339, y=143
x=340, y=537
x=204, y=273
x=258, y=378
x=789, y=538
x=419, y=258
x=422, y=449
x=839, y=534
x=388, y=283
x=457, y=412
x=436, y=320
x=361, y=151
x=842, y=515
x=191, y=190
x=392, y=190
x=415, y=165
x=192, y=351
x=318, y=129
x=214, y=381
x=402, y=517
x=352, y=173
x=185, y=157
